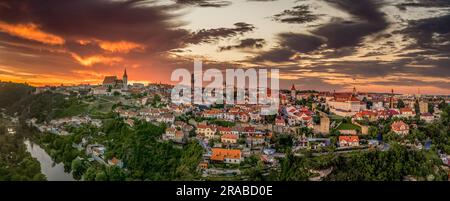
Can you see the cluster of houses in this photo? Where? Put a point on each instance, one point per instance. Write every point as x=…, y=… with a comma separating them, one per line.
x=229, y=136
x=97, y=153
x=149, y=114
x=251, y=134
x=178, y=132
x=59, y=126
x=239, y=113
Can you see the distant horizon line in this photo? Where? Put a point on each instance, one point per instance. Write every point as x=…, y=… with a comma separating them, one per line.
x=148, y=83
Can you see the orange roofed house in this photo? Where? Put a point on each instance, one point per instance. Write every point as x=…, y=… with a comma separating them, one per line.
x=229, y=138
x=232, y=156
x=348, y=141
x=208, y=132
x=400, y=128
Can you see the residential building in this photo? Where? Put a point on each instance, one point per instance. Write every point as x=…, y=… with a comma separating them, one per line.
x=229, y=138
x=400, y=128
x=407, y=112
x=280, y=121
x=115, y=162
x=348, y=141
x=208, y=132
x=427, y=117
x=345, y=104
x=232, y=156
x=423, y=107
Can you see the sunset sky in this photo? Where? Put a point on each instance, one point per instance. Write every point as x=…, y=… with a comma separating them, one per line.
x=330, y=45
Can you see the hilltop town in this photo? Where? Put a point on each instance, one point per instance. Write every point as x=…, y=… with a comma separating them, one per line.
x=232, y=140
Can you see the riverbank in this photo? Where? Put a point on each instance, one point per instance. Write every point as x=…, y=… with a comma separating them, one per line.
x=16, y=164
x=52, y=170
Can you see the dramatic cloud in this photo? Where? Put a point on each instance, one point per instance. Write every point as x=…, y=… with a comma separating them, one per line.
x=111, y=21
x=275, y=55
x=337, y=34
x=368, y=19
x=211, y=35
x=297, y=15
x=30, y=31
x=246, y=43
x=91, y=60
x=289, y=45
x=204, y=3
x=121, y=46
x=423, y=3
x=363, y=43
x=300, y=42
x=430, y=33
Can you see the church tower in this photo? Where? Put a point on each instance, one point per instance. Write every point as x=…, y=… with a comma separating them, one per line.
x=125, y=80
x=293, y=92
x=391, y=99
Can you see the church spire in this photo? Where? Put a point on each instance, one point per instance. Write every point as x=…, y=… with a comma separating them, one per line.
x=125, y=79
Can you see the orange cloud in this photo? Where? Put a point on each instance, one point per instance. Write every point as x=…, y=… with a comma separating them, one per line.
x=30, y=31
x=91, y=60
x=121, y=46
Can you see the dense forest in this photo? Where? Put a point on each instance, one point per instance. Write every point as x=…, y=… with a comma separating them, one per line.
x=16, y=164
x=12, y=93
x=145, y=157
x=16, y=98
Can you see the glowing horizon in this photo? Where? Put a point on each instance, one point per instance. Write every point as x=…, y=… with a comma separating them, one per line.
x=375, y=45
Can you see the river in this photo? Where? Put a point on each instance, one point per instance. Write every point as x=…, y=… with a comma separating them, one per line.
x=53, y=171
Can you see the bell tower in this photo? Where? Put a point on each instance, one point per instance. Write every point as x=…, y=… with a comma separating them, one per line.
x=293, y=92
x=125, y=80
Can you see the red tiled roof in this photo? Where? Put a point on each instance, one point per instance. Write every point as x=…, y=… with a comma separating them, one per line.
x=349, y=138
x=201, y=126
x=110, y=80
x=393, y=112
x=224, y=129
x=279, y=121
x=249, y=129
x=219, y=154
x=397, y=126
x=230, y=136
x=179, y=134
x=403, y=110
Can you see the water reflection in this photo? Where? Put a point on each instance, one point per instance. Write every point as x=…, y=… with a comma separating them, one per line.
x=53, y=171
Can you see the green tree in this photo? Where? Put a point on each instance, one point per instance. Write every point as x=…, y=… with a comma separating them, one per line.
x=400, y=104
x=78, y=168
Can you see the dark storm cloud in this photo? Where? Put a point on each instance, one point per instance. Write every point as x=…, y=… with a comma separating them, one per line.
x=83, y=50
x=367, y=19
x=297, y=15
x=133, y=20
x=341, y=36
x=275, y=55
x=204, y=3
x=262, y=0
x=423, y=3
x=300, y=42
x=289, y=44
x=211, y=35
x=430, y=33
x=246, y=43
x=408, y=66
